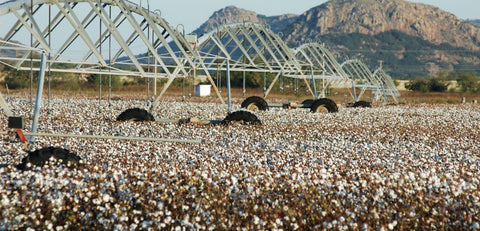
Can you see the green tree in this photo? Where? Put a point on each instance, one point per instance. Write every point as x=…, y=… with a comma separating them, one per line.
x=427, y=85
x=418, y=84
x=437, y=85
x=468, y=82
x=15, y=79
x=95, y=80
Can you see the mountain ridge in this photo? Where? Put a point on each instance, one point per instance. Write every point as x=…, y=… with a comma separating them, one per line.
x=383, y=29
x=233, y=14
x=377, y=16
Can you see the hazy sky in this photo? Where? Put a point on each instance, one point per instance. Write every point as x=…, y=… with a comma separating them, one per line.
x=193, y=13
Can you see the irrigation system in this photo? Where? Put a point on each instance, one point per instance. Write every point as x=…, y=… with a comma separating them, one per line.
x=120, y=38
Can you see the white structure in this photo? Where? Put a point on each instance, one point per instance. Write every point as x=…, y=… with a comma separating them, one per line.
x=203, y=90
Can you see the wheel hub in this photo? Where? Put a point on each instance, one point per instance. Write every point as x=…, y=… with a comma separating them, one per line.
x=252, y=107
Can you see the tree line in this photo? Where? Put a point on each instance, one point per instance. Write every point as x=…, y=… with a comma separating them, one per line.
x=466, y=83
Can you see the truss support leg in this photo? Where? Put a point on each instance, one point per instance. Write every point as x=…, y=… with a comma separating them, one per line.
x=38, y=101
x=244, y=92
x=313, y=82
x=229, y=96
x=165, y=87
x=354, y=91
x=271, y=85
x=308, y=86
x=209, y=77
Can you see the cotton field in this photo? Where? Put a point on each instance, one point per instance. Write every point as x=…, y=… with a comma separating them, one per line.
x=389, y=167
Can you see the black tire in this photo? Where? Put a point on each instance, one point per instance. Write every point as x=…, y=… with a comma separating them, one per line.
x=41, y=156
x=254, y=103
x=308, y=101
x=242, y=116
x=135, y=114
x=324, y=103
x=364, y=104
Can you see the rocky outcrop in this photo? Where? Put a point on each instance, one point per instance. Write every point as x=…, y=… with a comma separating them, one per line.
x=413, y=39
x=377, y=16
x=232, y=14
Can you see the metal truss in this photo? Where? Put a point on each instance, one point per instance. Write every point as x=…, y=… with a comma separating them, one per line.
x=388, y=84
x=323, y=64
x=97, y=42
x=118, y=37
x=97, y=37
x=250, y=47
x=364, y=80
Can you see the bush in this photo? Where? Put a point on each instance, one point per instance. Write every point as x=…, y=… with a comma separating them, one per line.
x=95, y=80
x=68, y=82
x=17, y=82
x=427, y=85
x=468, y=83
x=436, y=85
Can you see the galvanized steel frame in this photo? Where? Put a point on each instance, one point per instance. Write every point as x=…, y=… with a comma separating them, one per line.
x=242, y=46
x=363, y=78
x=324, y=65
x=250, y=47
x=388, y=84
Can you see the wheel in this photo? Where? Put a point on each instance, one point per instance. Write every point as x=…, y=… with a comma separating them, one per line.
x=308, y=101
x=362, y=104
x=41, y=156
x=255, y=103
x=324, y=105
x=242, y=116
x=135, y=114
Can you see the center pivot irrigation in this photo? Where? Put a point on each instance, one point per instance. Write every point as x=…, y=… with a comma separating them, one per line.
x=119, y=38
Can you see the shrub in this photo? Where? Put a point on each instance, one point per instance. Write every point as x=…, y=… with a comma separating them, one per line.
x=468, y=83
x=15, y=79
x=95, y=80
x=427, y=85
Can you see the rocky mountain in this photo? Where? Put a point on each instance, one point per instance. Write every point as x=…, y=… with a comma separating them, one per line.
x=232, y=14
x=411, y=39
x=373, y=17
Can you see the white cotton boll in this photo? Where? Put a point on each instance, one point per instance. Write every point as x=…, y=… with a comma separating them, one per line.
x=5, y=201
x=278, y=222
x=160, y=205
x=234, y=180
x=424, y=175
x=256, y=220
x=412, y=213
x=106, y=198
x=49, y=225
x=392, y=194
x=392, y=225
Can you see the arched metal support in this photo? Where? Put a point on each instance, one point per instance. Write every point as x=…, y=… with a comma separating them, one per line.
x=388, y=84
x=126, y=26
x=365, y=80
x=322, y=66
x=251, y=48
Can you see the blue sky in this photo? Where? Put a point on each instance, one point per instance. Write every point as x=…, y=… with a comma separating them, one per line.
x=193, y=13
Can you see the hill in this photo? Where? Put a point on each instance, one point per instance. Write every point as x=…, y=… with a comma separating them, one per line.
x=232, y=14
x=411, y=39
